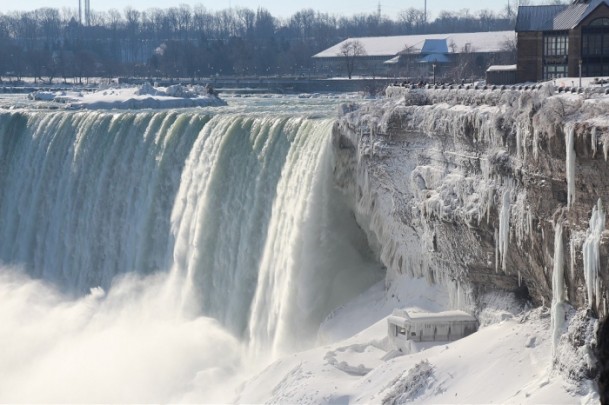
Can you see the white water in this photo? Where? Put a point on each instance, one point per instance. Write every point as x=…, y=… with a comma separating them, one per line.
x=227, y=225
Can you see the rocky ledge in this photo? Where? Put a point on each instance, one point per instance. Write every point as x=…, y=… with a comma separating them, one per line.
x=485, y=190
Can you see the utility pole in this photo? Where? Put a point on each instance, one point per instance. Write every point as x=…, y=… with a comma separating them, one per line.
x=84, y=16
x=379, y=11
x=425, y=11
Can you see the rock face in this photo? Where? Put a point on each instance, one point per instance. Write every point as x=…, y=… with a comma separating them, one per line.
x=466, y=188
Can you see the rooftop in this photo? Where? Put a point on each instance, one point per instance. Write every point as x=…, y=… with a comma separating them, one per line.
x=555, y=17
x=389, y=47
x=401, y=316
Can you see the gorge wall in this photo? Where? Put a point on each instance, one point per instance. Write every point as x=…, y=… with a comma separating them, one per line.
x=475, y=183
x=485, y=190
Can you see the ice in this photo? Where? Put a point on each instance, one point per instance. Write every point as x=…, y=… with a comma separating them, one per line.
x=570, y=164
x=558, y=288
x=144, y=96
x=591, y=254
x=504, y=229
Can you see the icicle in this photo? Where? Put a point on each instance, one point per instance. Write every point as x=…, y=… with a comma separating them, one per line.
x=570, y=165
x=496, y=251
x=606, y=146
x=535, y=144
x=504, y=228
x=572, y=253
x=518, y=141
x=593, y=140
x=489, y=204
x=591, y=252
x=558, y=289
x=519, y=278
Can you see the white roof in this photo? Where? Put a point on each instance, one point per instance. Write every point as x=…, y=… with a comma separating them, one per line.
x=492, y=41
x=400, y=316
x=501, y=68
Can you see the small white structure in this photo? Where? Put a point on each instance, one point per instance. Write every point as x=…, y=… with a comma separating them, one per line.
x=427, y=327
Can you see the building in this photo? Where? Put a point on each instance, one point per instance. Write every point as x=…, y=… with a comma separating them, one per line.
x=563, y=40
x=427, y=327
x=455, y=56
x=501, y=74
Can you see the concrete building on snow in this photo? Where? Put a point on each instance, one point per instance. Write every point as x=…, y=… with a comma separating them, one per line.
x=425, y=327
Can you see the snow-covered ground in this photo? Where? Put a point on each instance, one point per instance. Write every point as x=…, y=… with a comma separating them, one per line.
x=509, y=360
x=145, y=96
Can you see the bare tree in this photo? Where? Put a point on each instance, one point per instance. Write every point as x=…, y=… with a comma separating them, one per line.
x=350, y=51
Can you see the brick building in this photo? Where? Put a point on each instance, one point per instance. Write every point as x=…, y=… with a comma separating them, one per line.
x=563, y=40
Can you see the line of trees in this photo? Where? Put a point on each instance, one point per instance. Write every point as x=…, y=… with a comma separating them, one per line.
x=194, y=42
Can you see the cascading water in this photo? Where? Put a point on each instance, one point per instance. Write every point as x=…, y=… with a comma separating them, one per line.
x=85, y=196
x=230, y=216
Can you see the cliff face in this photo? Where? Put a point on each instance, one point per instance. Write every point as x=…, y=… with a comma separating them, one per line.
x=469, y=189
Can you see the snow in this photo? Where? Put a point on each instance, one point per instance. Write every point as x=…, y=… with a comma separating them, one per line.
x=145, y=96
x=515, y=350
x=391, y=46
x=501, y=68
x=438, y=316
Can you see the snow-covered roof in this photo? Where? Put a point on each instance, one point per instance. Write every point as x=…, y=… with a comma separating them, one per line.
x=502, y=68
x=389, y=47
x=393, y=61
x=401, y=317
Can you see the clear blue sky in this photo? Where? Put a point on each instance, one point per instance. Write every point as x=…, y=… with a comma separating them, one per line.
x=279, y=8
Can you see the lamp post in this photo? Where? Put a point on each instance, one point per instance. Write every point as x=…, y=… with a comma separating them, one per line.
x=433, y=67
x=580, y=73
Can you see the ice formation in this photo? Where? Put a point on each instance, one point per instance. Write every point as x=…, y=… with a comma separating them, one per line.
x=504, y=230
x=558, y=288
x=570, y=164
x=591, y=254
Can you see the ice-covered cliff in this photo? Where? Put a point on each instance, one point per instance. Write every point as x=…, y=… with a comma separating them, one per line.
x=488, y=190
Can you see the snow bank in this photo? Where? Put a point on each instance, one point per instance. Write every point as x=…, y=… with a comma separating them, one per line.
x=144, y=96
x=516, y=351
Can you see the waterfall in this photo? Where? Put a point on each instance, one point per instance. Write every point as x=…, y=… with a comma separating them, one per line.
x=238, y=210
x=85, y=195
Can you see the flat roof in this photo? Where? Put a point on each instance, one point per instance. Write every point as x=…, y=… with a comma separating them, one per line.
x=401, y=316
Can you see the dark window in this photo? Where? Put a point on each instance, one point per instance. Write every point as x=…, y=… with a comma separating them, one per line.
x=599, y=22
x=554, y=71
x=595, y=48
x=556, y=45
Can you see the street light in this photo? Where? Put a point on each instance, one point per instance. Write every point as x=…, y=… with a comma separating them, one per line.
x=433, y=66
x=580, y=73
